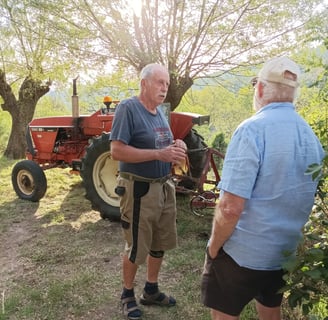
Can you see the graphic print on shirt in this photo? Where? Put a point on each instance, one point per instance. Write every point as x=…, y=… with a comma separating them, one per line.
x=162, y=137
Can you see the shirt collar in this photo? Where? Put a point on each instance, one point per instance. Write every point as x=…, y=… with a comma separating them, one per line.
x=275, y=105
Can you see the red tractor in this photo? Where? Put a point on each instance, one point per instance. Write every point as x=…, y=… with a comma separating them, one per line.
x=82, y=143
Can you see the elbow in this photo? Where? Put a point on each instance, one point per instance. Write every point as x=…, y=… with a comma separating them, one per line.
x=230, y=211
x=113, y=152
x=118, y=150
x=114, y=155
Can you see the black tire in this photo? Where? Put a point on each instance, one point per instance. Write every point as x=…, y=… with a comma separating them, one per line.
x=197, y=158
x=29, y=180
x=99, y=174
x=196, y=152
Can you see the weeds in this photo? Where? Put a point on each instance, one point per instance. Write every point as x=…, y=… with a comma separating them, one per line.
x=61, y=261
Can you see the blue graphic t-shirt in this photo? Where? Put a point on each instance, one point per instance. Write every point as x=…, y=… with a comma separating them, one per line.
x=136, y=126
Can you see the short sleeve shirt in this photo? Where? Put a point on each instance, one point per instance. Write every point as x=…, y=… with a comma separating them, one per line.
x=265, y=163
x=134, y=125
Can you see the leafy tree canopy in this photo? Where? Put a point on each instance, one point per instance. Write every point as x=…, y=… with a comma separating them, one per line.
x=44, y=40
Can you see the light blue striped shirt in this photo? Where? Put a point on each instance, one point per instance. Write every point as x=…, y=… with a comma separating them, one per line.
x=265, y=164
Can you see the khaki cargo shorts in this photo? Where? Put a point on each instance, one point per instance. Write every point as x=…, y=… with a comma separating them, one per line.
x=148, y=217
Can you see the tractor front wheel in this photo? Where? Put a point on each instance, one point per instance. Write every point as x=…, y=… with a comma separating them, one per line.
x=29, y=180
x=99, y=173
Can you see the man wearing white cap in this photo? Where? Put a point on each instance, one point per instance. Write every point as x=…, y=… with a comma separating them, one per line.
x=265, y=199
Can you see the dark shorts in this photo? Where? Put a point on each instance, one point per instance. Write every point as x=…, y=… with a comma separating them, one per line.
x=228, y=288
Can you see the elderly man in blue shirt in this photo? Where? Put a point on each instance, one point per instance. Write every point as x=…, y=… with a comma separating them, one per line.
x=266, y=199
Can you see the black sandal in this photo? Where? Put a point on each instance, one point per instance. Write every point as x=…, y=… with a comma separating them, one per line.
x=130, y=308
x=158, y=298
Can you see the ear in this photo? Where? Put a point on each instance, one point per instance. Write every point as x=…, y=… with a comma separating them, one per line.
x=260, y=88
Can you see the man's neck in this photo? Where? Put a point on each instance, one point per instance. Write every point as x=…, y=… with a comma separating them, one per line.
x=148, y=106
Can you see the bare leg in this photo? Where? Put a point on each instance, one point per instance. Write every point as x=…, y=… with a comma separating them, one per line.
x=153, y=268
x=129, y=272
x=152, y=294
x=129, y=304
x=218, y=315
x=266, y=313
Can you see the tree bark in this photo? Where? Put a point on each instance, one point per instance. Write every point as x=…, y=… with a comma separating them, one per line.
x=178, y=87
x=21, y=111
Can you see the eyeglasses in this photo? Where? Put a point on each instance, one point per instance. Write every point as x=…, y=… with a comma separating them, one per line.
x=254, y=81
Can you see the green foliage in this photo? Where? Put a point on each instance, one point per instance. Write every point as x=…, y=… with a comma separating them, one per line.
x=226, y=108
x=5, y=125
x=220, y=144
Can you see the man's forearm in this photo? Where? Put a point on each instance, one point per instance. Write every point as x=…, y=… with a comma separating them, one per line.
x=131, y=154
x=222, y=229
x=227, y=214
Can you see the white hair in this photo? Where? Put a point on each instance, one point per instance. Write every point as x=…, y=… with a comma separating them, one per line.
x=148, y=71
x=277, y=92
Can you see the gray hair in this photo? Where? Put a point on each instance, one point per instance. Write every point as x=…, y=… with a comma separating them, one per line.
x=149, y=69
x=277, y=92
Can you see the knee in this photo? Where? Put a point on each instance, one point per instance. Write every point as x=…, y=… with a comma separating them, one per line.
x=156, y=254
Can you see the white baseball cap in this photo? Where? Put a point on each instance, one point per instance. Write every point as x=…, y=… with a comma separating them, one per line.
x=275, y=71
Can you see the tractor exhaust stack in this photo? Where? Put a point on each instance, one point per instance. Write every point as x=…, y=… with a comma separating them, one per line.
x=75, y=101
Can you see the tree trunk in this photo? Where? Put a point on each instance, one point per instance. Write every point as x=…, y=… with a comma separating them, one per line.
x=21, y=111
x=178, y=87
x=16, y=145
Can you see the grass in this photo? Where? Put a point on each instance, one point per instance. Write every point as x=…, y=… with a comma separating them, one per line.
x=61, y=261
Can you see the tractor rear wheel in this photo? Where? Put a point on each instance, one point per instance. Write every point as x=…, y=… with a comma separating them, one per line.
x=99, y=173
x=196, y=152
x=29, y=180
x=197, y=158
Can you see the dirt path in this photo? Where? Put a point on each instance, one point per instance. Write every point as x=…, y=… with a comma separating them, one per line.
x=13, y=265
x=60, y=261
